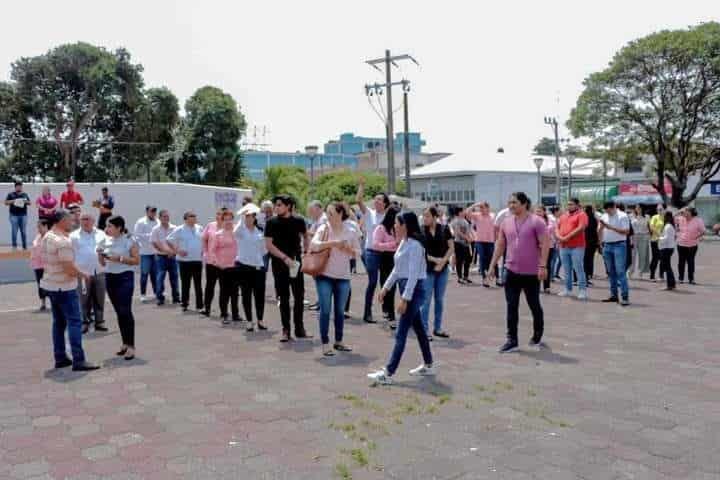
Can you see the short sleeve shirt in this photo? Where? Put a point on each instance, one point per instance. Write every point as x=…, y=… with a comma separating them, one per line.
x=58, y=250
x=569, y=222
x=484, y=226
x=68, y=197
x=437, y=245
x=461, y=228
x=523, y=240
x=285, y=233
x=371, y=219
x=20, y=203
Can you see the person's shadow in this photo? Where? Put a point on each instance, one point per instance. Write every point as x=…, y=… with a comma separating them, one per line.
x=547, y=355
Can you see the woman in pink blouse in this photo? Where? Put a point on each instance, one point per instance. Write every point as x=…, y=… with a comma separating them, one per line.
x=542, y=213
x=223, y=249
x=483, y=222
x=212, y=272
x=46, y=204
x=383, y=241
x=333, y=283
x=690, y=231
x=37, y=258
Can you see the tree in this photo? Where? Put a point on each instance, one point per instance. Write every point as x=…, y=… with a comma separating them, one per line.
x=285, y=179
x=660, y=94
x=342, y=185
x=75, y=93
x=215, y=124
x=545, y=146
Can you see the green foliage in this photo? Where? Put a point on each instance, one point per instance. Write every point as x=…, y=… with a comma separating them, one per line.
x=342, y=185
x=285, y=179
x=545, y=146
x=214, y=126
x=660, y=94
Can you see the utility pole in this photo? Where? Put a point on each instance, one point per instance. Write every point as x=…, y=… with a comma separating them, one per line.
x=552, y=121
x=388, y=60
x=406, y=143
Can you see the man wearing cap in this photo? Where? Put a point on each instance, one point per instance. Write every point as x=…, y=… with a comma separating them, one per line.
x=148, y=264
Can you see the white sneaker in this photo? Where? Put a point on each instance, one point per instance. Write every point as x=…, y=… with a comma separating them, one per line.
x=380, y=377
x=423, y=371
x=143, y=299
x=564, y=293
x=582, y=295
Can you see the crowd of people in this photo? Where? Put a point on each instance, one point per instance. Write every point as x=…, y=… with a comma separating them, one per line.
x=79, y=258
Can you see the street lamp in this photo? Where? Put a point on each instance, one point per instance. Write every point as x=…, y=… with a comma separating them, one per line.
x=311, y=151
x=570, y=157
x=538, y=164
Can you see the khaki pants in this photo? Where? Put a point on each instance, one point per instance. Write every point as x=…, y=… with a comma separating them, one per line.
x=92, y=299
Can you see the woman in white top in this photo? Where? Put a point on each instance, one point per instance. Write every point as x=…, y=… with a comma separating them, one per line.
x=667, y=244
x=333, y=283
x=119, y=255
x=250, y=266
x=641, y=241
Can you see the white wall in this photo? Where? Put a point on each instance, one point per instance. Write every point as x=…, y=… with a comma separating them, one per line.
x=496, y=187
x=131, y=199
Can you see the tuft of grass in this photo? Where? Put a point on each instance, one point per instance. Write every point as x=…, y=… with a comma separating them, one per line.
x=432, y=409
x=469, y=405
x=480, y=388
x=487, y=399
x=360, y=457
x=443, y=399
x=343, y=471
x=531, y=393
x=371, y=446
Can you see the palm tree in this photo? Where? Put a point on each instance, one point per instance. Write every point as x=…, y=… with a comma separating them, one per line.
x=285, y=179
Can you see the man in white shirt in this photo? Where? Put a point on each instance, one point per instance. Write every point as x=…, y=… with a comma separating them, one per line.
x=186, y=242
x=371, y=218
x=91, y=289
x=166, y=262
x=148, y=263
x=614, y=227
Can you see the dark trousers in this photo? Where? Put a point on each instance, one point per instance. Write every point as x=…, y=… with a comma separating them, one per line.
x=655, y=260
x=252, y=287
x=92, y=299
x=666, y=266
x=589, y=259
x=548, y=278
x=229, y=292
x=39, y=272
x=462, y=260
x=514, y=285
x=191, y=272
x=686, y=255
x=485, y=251
x=120, y=288
x=212, y=274
x=284, y=285
x=102, y=220
x=387, y=262
x=412, y=318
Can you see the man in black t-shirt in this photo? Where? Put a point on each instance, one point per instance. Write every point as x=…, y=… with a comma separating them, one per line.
x=18, y=202
x=286, y=238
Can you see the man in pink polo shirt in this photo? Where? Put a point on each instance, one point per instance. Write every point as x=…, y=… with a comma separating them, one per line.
x=483, y=222
x=523, y=236
x=691, y=229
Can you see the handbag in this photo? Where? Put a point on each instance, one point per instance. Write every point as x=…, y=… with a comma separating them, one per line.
x=314, y=263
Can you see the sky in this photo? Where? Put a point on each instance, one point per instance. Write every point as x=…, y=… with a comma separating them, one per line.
x=489, y=71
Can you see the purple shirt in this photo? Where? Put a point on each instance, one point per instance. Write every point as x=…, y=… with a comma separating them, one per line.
x=523, y=240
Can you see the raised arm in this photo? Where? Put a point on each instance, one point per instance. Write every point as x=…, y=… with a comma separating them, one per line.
x=360, y=197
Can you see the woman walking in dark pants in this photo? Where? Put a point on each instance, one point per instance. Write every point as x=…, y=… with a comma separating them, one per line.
x=667, y=244
x=409, y=272
x=384, y=242
x=463, y=238
x=250, y=265
x=119, y=255
x=591, y=243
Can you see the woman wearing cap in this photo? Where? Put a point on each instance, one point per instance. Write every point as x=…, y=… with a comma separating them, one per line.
x=250, y=264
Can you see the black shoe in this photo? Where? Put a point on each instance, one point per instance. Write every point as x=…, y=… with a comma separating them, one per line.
x=430, y=338
x=101, y=328
x=261, y=325
x=237, y=319
x=392, y=324
x=369, y=319
x=85, y=367
x=225, y=320
x=160, y=303
x=205, y=313
x=342, y=348
x=85, y=328
x=121, y=352
x=692, y=282
x=63, y=363
x=467, y=280
x=510, y=346
x=441, y=334
x=302, y=334
x=184, y=308
x=314, y=306
x=285, y=337
x=176, y=301
x=610, y=300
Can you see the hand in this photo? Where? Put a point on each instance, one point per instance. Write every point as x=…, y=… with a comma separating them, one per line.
x=381, y=295
x=84, y=277
x=288, y=261
x=491, y=274
x=439, y=266
x=182, y=253
x=402, y=306
x=542, y=273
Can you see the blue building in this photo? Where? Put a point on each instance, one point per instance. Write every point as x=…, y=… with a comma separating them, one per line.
x=340, y=153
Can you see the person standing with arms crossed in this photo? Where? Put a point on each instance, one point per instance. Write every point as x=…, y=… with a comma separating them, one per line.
x=523, y=236
x=570, y=232
x=186, y=242
x=70, y=196
x=148, y=263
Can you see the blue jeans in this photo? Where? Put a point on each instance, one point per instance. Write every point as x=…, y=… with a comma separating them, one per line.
x=615, y=254
x=167, y=264
x=485, y=251
x=65, y=306
x=574, y=259
x=333, y=290
x=18, y=223
x=411, y=318
x=372, y=265
x=148, y=268
x=435, y=285
x=556, y=263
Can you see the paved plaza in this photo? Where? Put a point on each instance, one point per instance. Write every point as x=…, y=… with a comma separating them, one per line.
x=623, y=393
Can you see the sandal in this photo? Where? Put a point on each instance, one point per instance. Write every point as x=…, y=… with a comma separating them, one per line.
x=342, y=348
x=121, y=352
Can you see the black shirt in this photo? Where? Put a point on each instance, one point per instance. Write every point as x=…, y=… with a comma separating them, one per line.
x=436, y=245
x=18, y=211
x=285, y=233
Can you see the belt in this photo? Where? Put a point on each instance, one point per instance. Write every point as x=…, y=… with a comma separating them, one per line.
x=613, y=243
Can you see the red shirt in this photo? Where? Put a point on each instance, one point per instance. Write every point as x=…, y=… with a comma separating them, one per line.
x=569, y=222
x=69, y=197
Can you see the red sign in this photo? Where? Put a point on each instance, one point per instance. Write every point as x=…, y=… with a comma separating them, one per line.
x=642, y=188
